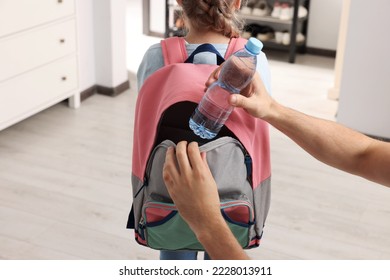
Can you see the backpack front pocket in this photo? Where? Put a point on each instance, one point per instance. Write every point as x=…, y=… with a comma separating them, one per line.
x=164, y=228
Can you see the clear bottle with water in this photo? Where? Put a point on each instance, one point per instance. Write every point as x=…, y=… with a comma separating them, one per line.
x=236, y=73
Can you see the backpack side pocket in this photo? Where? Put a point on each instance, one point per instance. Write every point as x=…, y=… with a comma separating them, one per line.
x=151, y=188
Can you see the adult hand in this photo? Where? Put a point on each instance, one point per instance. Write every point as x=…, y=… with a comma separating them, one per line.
x=254, y=98
x=191, y=185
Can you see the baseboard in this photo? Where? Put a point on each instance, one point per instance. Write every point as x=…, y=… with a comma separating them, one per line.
x=104, y=90
x=113, y=91
x=321, y=52
x=87, y=93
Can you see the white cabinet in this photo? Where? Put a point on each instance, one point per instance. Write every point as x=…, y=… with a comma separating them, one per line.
x=38, y=57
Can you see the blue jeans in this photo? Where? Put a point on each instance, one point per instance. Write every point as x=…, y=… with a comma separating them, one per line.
x=181, y=255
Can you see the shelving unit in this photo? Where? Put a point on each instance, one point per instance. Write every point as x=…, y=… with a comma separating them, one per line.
x=294, y=26
x=172, y=11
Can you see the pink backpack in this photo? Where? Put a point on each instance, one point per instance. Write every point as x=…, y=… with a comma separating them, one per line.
x=239, y=158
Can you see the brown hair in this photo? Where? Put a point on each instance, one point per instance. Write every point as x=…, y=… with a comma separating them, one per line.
x=216, y=15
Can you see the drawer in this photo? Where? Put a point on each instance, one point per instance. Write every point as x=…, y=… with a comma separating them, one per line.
x=17, y=15
x=29, y=50
x=36, y=90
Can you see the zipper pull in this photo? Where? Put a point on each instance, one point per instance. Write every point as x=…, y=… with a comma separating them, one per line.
x=141, y=228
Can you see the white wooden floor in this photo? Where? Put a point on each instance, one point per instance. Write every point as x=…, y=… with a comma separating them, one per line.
x=65, y=187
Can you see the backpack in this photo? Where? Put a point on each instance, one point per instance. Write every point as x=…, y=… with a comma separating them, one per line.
x=239, y=157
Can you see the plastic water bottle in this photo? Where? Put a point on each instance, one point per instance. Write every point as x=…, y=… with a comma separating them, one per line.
x=236, y=73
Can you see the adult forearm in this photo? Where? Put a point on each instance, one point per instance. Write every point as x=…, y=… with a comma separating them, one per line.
x=219, y=241
x=327, y=141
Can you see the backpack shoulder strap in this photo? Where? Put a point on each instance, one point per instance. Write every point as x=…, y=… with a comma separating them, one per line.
x=174, y=50
x=234, y=45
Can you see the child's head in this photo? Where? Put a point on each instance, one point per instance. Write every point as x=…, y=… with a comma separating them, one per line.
x=213, y=15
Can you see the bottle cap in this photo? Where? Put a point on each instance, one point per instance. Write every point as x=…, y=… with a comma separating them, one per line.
x=254, y=46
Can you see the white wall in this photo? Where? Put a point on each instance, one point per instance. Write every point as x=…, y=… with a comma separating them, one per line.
x=157, y=16
x=323, y=25
x=137, y=42
x=86, y=44
x=102, y=42
x=365, y=85
x=110, y=42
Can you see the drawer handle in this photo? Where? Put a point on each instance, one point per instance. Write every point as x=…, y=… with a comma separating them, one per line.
x=62, y=41
x=60, y=1
x=64, y=78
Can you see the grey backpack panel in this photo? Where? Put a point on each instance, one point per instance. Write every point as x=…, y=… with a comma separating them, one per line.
x=225, y=156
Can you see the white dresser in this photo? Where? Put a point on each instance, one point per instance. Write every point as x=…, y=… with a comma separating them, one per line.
x=38, y=57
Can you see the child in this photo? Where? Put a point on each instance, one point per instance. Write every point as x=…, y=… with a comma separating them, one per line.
x=206, y=21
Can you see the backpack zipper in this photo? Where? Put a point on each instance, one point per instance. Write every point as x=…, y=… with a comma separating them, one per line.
x=172, y=207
